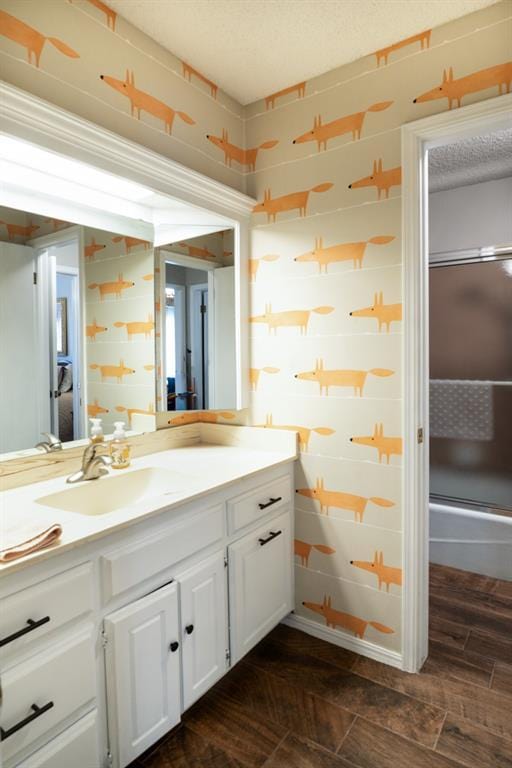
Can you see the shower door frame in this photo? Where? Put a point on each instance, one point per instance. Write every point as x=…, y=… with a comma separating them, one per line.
x=417, y=138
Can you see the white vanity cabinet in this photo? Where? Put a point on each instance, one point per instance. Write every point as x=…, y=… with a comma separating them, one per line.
x=142, y=622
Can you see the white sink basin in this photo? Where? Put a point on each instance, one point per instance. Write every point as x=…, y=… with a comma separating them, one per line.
x=99, y=497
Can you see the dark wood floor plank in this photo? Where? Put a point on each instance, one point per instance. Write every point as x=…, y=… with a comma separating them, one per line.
x=243, y=736
x=459, y=664
x=313, y=646
x=186, y=749
x=482, y=706
x=467, y=598
x=502, y=678
x=360, y=695
x=447, y=632
x=444, y=576
x=473, y=613
x=294, y=752
x=368, y=746
x=272, y=698
x=497, y=648
x=504, y=588
x=473, y=746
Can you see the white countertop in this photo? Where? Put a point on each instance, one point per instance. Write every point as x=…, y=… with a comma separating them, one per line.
x=194, y=471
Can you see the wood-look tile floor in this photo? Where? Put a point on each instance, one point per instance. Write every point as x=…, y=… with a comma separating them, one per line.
x=298, y=702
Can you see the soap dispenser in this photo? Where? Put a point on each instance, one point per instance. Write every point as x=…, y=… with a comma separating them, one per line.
x=119, y=447
x=96, y=431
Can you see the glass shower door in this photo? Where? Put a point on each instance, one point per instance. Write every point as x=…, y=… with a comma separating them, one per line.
x=471, y=382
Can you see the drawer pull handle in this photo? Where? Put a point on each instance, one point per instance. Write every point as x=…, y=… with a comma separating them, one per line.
x=273, y=535
x=37, y=712
x=31, y=625
x=189, y=629
x=270, y=502
x=174, y=646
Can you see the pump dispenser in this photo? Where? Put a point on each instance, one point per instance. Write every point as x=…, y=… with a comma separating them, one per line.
x=96, y=431
x=119, y=447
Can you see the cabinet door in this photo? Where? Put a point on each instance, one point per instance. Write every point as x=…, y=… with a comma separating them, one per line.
x=260, y=583
x=204, y=626
x=143, y=672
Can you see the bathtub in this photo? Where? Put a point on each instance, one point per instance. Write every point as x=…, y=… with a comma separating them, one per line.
x=471, y=540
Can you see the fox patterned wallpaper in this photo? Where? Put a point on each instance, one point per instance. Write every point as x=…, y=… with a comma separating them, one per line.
x=326, y=329
x=323, y=160
x=85, y=58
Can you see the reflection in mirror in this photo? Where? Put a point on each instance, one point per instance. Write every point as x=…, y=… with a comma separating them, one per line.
x=195, y=304
x=76, y=330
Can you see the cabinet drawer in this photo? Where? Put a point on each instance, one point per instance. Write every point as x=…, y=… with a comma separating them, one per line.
x=76, y=746
x=250, y=507
x=128, y=566
x=33, y=612
x=58, y=681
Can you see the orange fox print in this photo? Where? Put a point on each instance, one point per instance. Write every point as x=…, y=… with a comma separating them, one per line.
x=244, y=157
x=149, y=277
x=93, y=329
x=304, y=432
x=340, y=500
x=386, y=446
x=385, y=314
x=333, y=254
x=345, y=621
x=28, y=37
x=423, y=38
x=254, y=265
x=381, y=180
x=95, y=409
x=188, y=71
x=140, y=101
x=131, y=242
x=294, y=201
x=112, y=371
x=303, y=550
x=499, y=76
x=321, y=133
x=340, y=377
x=57, y=224
x=110, y=15
x=18, y=230
x=136, y=328
x=255, y=373
x=292, y=318
x=196, y=252
x=93, y=248
x=206, y=417
x=115, y=288
x=131, y=411
x=385, y=573
x=298, y=88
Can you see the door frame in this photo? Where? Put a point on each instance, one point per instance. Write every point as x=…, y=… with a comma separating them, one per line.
x=417, y=138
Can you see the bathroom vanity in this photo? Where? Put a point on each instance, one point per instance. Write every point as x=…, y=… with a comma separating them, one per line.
x=167, y=573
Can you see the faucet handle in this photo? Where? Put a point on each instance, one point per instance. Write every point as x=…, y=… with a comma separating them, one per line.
x=52, y=440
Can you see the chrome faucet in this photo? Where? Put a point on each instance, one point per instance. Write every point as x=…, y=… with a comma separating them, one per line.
x=93, y=465
x=51, y=444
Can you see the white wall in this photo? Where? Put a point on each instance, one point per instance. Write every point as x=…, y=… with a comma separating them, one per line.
x=471, y=217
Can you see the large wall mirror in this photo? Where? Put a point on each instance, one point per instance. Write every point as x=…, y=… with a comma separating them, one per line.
x=111, y=308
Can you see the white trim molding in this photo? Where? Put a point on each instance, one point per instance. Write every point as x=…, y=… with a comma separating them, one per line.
x=341, y=639
x=417, y=138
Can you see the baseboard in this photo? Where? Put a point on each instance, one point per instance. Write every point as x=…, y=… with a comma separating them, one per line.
x=350, y=643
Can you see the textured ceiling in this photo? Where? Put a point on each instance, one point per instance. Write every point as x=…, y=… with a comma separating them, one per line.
x=252, y=48
x=471, y=161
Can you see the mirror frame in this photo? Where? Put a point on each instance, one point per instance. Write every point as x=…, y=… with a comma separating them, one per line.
x=28, y=118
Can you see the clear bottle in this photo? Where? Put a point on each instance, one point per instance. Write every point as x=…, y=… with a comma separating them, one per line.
x=119, y=447
x=96, y=431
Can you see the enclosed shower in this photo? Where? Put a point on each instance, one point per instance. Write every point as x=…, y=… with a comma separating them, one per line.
x=470, y=351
